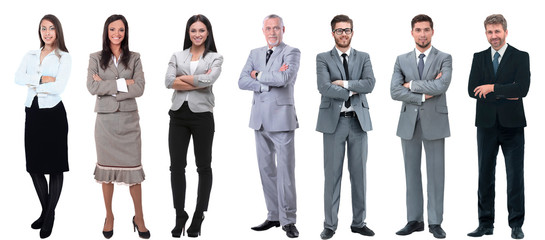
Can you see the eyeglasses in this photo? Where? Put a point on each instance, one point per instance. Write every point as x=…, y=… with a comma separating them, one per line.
x=339, y=31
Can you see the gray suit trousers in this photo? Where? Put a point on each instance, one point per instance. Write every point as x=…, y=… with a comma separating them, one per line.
x=277, y=177
x=349, y=132
x=435, y=167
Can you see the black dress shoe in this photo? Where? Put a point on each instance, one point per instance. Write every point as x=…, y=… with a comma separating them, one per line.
x=327, y=233
x=412, y=226
x=363, y=231
x=437, y=231
x=291, y=230
x=480, y=231
x=266, y=225
x=516, y=233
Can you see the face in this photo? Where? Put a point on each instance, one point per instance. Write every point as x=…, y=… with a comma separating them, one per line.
x=273, y=31
x=422, y=33
x=48, y=32
x=343, y=40
x=198, y=33
x=116, y=32
x=496, y=35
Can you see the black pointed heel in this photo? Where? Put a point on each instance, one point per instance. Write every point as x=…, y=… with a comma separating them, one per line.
x=194, y=229
x=144, y=235
x=179, y=229
x=107, y=234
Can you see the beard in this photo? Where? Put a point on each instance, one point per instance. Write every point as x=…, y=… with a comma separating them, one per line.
x=425, y=45
x=339, y=43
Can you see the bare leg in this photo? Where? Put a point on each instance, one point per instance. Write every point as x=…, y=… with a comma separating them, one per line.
x=108, y=192
x=136, y=194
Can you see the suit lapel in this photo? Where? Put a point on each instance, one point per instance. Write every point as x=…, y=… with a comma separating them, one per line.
x=411, y=59
x=337, y=60
x=488, y=62
x=429, y=61
x=274, y=56
x=352, y=63
x=504, y=59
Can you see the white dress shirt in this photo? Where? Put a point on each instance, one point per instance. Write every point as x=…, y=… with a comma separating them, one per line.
x=416, y=54
x=30, y=72
x=501, y=52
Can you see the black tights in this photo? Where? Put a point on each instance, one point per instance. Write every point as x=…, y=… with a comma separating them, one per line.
x=48, y=198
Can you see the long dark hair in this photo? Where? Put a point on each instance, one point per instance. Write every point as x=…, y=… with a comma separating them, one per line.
x=209, y=44
x=106, y=53
x=59, y=36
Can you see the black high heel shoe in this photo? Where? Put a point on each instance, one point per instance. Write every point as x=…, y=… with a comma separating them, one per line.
x=39, y=222
x=47, y=226
x=144, y=235
x=179, y=229
x=107, y=234
x=194, y=229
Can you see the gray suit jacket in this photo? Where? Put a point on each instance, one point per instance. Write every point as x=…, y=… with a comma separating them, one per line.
x=433, y=112
x=123, y=101
x=200, y=100
x=273, y=110
x=361, y=80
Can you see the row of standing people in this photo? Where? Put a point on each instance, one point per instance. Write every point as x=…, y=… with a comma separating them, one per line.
x=344, y=76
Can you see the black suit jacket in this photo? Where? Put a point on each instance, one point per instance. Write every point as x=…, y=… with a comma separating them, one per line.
x=512, y=80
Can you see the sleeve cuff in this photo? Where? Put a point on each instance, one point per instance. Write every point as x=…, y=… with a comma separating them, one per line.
x=121, y=85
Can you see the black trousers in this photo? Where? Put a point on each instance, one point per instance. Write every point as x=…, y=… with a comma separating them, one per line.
x=185, y=124
x=511, y=141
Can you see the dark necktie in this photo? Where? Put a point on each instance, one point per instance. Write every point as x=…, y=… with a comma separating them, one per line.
x=495, y=62
x=269, y=53
x=345, y=65
x=421, y=64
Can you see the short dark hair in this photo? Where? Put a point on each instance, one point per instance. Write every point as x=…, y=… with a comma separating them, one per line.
x=106, y=53
x=59, y=36
x=421, y=18
x=341, y=18
x=209, y=44
x=496, y=19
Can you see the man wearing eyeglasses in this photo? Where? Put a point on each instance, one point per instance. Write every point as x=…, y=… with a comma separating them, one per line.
x=344, y=76
x=420, y=81
x=270, y=73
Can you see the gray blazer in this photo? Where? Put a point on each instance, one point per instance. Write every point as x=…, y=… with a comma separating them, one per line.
x=273, y=110
x=200, y=100
x=433, y=113
x=122, y=101
x=361, y=80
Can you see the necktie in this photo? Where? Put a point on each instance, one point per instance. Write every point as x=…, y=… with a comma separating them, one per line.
x=421, y=64
x=269, y=53
x=495, y=62
x=345, y=65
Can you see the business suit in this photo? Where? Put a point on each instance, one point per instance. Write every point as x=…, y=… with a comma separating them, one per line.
x=191, y=117
x=338, y=131
x=117, y=128
x=500, y=122
x=423, y=123
x=274, y=120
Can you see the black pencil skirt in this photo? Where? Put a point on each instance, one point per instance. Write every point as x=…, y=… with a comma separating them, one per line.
x=46, y=133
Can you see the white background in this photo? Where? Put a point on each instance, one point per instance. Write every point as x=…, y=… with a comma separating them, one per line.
x=381, y=28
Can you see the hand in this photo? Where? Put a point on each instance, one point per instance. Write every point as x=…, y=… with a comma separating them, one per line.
x=354, y=93
x=338, y=83
x=439, y=75
x=96, y=77
x=427, y=96
x=253, y=74
x=208, y=72
x=129, y=81
x=512, y=99
x=407, y=84
x=47, y=79
x=283, y=68
x=483, y=90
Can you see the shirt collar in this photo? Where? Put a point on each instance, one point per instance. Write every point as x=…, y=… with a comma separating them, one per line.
x=501, y=51
x=427, y=52
x=341, y=53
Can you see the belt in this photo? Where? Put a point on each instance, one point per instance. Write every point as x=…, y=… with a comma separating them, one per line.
x=350, y=114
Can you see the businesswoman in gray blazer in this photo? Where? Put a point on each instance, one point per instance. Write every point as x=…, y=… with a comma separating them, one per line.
x=45, y=72
x=191, y=73
x=115, y=76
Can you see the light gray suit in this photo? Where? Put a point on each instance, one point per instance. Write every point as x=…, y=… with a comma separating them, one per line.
x=423, y=122
x=274, y=120
x=338, y=131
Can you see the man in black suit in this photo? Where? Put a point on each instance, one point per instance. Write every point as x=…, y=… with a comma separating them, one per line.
x=499, y=79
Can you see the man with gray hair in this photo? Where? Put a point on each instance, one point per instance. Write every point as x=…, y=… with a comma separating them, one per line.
x=499, y=79
x=270, y=73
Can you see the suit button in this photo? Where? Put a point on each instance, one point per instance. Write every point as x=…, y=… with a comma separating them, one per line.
x=416, y=110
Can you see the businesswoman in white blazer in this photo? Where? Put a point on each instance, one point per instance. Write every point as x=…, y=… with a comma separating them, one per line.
x=45, y=72
x=191, y=73
x=115, y=76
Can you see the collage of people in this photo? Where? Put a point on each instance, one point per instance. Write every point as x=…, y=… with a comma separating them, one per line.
x=237, y=120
